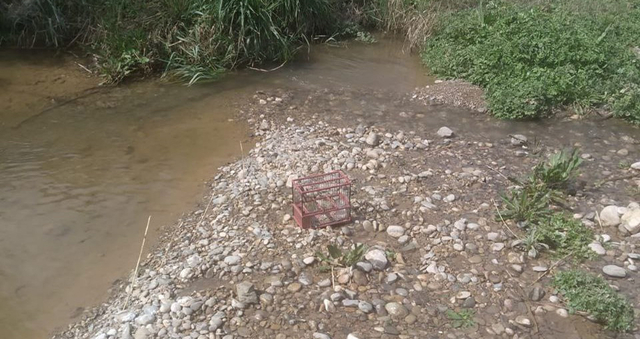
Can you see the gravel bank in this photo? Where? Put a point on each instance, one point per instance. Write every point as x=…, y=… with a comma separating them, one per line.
x=423, y=207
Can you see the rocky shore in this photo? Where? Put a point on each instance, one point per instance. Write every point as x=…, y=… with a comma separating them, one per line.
x=436, y=261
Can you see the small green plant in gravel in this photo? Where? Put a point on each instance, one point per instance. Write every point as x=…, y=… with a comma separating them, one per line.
x=526, y=204
x=559, y=170
x=461, y=319
x=337, y=258
x=588, y=293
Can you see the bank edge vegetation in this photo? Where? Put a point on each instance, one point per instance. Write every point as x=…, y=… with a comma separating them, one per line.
x=531, y=57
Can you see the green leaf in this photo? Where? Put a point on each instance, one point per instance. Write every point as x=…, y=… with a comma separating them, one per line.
x=334, y=251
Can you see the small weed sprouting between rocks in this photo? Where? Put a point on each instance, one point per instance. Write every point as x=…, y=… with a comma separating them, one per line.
x=530, y=202
x=526, y=204
x=336, y=258
x=461, y=319
x=561, y=168
x=588, y=293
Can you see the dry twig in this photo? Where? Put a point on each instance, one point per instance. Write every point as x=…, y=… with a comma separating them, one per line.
x=135, y=272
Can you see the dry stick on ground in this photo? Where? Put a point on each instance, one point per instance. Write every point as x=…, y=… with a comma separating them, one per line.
x=267, y=70
x=205, y=210
x=523, y=295
x=500, y=173
x=242, y=153
x=551, y=268
x=504, y=223
x=599, y=221
x=615, y=178
x=135, y=272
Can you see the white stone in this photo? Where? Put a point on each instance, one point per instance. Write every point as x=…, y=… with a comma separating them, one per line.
x=631, y=221
x=395, y=231
x=524, y=321
x=609, y=216
x=372, y=139
x=445, y=132
x=562, y=312
x=597, y=247
x=636, y=166
x=232, y=260
x=377, y=258
x=497, y=247
x=614, y=271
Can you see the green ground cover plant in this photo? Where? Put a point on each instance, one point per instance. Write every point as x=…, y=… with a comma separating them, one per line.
x=588, y=293
x=531, y=58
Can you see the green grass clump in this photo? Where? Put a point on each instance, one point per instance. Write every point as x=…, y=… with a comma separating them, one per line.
x=559, y=170
x=529, y=206
x=529, y=203
x=533, y=57
x=588, y=293
x=531, y=199
x=189, y=39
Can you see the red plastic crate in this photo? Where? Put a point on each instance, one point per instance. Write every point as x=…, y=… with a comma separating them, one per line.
x=322, y=200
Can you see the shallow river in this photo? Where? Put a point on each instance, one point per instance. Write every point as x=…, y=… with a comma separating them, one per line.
x=78, y=182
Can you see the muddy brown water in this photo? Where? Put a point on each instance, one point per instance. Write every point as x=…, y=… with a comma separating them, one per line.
x=77, y=182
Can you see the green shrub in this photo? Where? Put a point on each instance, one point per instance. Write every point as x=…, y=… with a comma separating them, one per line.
x=588, y=293
x=532, y=58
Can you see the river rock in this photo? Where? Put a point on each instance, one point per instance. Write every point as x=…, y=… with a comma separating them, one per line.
x=609, y=216
x=246, y=293
x=536, y=293
x=145, y=319
x=373, y=139
x=318, y=335
x=598, y=248
x=377, y=258
x=518, y=140
x=636, y=166
x=396, y=310
x=445, y=132
x=631, y=221
x=395, y=231
x=141, y=333
x=614, y=271
x=524, y=321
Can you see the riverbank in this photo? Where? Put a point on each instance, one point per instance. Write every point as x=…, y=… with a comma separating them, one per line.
x=437, y=260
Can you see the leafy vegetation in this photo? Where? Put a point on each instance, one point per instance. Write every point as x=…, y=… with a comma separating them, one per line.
x=188, y=39
x=559, y=170
x=336, y=258
x=533, y=57
x=529, y=203
x=588, y=293
x=529, y=206
x=461, y=319
x=564, y=235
